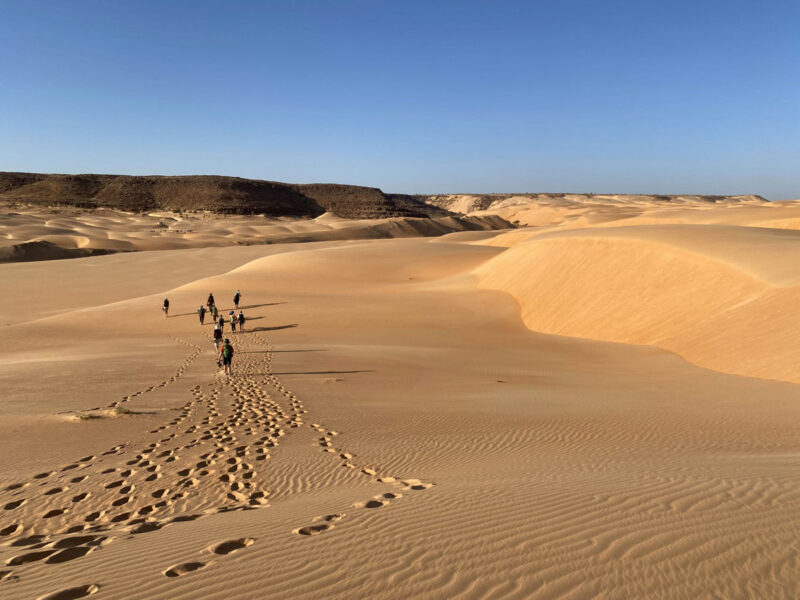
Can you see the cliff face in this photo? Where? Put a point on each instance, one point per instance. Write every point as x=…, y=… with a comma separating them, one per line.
x=227, y=195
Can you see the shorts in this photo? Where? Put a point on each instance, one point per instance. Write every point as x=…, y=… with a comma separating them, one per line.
x=226, y=361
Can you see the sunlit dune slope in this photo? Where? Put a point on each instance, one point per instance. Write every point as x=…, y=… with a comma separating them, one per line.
x=723, y=297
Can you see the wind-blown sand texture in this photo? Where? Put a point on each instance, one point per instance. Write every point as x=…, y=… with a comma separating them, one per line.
x=595, y=407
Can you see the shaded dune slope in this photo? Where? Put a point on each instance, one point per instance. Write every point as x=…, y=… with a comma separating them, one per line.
x=722, y=297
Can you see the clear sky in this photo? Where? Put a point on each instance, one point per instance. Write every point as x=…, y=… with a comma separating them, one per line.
x=667, y=96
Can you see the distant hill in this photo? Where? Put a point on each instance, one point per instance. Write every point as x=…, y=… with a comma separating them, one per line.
x=467, y=203
x=214, y=193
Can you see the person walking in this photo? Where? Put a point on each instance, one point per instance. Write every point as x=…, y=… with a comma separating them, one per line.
x=221, y=322
x=226, y=356
x=241, y=321
x=201, y=312
x=166, y=307
x=233, y=322
x=214, y=312
x=217, y=337
x=210, y=302
x=236, y=297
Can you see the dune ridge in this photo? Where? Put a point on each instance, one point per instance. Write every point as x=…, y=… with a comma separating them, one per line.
x=47, y=234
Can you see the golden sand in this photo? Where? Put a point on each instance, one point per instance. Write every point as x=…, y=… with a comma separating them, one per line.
x=601, y=406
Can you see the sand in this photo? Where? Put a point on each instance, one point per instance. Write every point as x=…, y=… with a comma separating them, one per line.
x=32, y=233
x=573, y=410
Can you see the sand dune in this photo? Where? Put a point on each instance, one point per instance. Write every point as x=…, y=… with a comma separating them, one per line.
x=47, y=234
x=393, y=428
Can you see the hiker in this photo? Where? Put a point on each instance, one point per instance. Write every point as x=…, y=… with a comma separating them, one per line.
x=221, y=322
x=210, y=302
x=241, y=321
x=226, y=356
x=202, y=313
x=214, y=312
x=233, y=322
x=217, y=337
x=236, y=297
x=166, y=307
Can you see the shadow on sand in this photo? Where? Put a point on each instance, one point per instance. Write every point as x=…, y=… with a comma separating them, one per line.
x=249, y=306
x=321, y=372
x=276, y=328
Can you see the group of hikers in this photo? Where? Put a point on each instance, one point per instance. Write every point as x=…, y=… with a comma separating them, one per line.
x=223, y=346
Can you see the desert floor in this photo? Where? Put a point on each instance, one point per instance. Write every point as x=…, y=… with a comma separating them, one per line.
x=589, y=408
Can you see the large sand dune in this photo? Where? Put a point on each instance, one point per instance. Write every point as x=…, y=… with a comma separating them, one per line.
x=723, y=297
x=423, y=418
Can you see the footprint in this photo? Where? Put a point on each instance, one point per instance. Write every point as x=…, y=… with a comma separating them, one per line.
x=28, y=541
x=81, y=496
x=147, y=527
x=52, y=491
x=315, y=529
x=378, y=501
x=121, y=517
x=416, y=484
x=258, y=498
x=29, y=557
x=72, y=593
x=68, y=554
x=321, y=527
x=184, y=518
x=232, y=546
x=15, y=504
x=184, y=568
x=53, y=513
x=10, y=529
x=78, y=540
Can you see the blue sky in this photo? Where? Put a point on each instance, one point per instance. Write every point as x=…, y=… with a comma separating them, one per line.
x=431, y=96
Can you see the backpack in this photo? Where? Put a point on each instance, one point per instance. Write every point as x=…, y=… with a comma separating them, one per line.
x=227, y=352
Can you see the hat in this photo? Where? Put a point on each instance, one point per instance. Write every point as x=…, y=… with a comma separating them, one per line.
x=227, y=341
x=230, y=313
